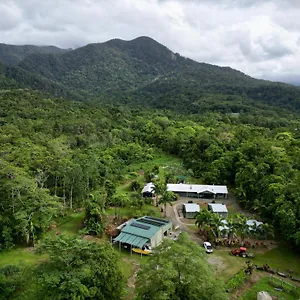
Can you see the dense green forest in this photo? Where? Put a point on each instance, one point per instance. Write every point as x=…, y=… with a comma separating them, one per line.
x=55, y=152
x=58, y=154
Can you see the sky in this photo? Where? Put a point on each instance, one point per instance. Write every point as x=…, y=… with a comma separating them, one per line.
x=258, y=37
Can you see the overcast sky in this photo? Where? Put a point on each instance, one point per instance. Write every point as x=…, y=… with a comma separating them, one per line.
x=258, y=37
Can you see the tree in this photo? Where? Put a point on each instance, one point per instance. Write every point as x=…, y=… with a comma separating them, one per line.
x=79, y=269
x=215, y=223
x=94, y=210
x=167, y=198
x=135, y=186
x=203, y=219
x=159, y=189
x=178, y=270
x=242, y=228
x=265, y=231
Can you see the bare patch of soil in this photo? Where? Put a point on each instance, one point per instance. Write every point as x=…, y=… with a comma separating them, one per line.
x=217, y=263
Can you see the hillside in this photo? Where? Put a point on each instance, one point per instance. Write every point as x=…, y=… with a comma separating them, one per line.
x=12, y=54
x=144, y=72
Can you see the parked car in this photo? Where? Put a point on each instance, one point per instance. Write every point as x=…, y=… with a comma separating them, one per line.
x=208, y=247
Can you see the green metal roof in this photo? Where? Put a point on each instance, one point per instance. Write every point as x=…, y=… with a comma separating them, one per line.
x=138, y=233
x=146, y=233
x=131, y=239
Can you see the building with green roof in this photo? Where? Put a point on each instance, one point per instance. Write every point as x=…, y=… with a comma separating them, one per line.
x=145, y=230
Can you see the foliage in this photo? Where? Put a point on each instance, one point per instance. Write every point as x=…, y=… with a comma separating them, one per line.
x=94, y=215
x=167, y=198
x=11, y=280
x=236, y=281
x=178, y=270
x=79, y=269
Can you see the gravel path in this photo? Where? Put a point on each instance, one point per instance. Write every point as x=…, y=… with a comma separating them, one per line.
x=172, y=213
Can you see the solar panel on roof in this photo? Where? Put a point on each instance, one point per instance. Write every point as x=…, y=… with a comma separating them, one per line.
x=138, y=225
x=151, y=222
x=157, y=219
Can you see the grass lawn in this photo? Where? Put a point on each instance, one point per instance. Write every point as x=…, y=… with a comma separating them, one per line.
x=230, y=265
x=264, y=285
x=163, y=160
x=129, y=212
x=280, y=258
x=69, y=225
x=20, y=256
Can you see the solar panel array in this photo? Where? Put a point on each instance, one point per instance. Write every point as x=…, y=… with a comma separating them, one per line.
x=141, y=226
x=157, y=219
x=151, y=222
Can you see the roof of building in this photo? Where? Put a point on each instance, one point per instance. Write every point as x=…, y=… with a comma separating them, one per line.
x=148, y=188
x=138, y=231
x=191, y=207
x=131, y=239
x=218, y=207
x=225, y=225
x=197, y=188
x=252, y=223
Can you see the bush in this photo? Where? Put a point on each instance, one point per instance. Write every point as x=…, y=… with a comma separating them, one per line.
x=236, y=281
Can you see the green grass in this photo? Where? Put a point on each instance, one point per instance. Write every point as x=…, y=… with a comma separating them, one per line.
x=264, y=285
x=280, y=258
x=69, y=225
x=129, y=212
x=232, y=265
x=20, y=256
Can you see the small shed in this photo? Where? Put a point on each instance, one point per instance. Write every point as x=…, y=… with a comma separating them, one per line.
x=148, y=190
x=190, y=210
x=218, y=208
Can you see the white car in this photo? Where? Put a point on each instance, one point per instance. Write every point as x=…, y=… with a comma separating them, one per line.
x=208, y=247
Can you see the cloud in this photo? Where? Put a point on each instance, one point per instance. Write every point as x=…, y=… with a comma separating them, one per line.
x=258, y=37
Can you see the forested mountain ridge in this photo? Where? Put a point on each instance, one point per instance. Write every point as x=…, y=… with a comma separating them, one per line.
x=13, y=54
x=144, y=72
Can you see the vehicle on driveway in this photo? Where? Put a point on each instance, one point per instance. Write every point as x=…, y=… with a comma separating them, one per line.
x=242, y=252
x=208, y=247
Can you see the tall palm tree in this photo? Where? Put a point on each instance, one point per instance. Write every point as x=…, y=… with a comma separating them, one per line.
x=159, y=188
x=203, y=219
x=216, y=221
x=242, y=227
x=167, y=198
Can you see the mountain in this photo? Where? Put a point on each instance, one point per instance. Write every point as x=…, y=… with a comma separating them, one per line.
x=12, y=54
x=144, y=72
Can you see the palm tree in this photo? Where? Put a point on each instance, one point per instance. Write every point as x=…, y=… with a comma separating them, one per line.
x=231, y=228
x=203, y=219
x=167, y=198
x=159, y=188
x=265, y=230
x=216, y=221
x=242, y=227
